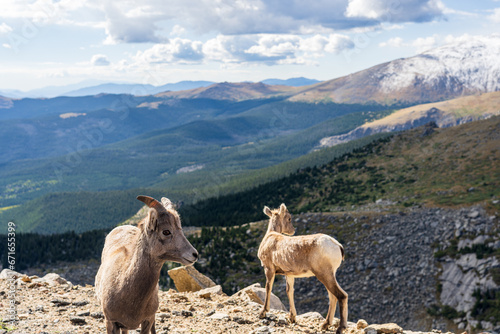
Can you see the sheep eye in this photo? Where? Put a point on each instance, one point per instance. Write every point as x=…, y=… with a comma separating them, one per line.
x=166, y=232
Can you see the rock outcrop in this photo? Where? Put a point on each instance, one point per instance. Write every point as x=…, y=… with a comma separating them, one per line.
x=257, y=294
x=188, y=279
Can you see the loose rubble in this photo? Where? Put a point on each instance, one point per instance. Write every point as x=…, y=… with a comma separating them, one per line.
x=71, y=309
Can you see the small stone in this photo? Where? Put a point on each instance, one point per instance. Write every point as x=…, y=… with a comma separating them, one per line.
x=473, y=214
x=163, y=316
x=26, y=279
x=361, y=324
x=311, y=316
x=77, y=320
x=83, y=314
x=60, y=302
x=282, y=320
x=389, y=328
x=242, y=321
x=186, y=313
x=219, y=316
x=23, y=316
x=97, y=315
x=271, y=317
x=80, y=303
x=261, y=330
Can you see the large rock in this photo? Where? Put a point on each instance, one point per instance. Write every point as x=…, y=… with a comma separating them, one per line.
x=8, y=274
x=52, y=279
x=209, y=292
x=188, y=279
x=257, y=294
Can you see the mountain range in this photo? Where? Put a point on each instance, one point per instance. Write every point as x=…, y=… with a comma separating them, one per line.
x=224, y=137
x=87, y=88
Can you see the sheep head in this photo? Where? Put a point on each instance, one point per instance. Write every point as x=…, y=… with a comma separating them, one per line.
x=280, y=220
x=163, y=231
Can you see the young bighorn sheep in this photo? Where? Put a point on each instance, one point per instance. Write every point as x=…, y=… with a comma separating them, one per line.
x=127, y=281
x=301, y=256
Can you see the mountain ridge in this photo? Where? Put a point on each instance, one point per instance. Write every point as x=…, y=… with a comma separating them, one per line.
x=455, y=69
x=446, y=113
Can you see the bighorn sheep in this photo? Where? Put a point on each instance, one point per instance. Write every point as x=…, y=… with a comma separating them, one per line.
x=127, y=281
x=301, y=256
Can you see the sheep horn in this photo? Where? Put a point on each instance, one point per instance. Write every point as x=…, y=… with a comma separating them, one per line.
x=151, y=202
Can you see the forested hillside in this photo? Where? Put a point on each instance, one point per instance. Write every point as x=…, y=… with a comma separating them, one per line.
x=423, y=167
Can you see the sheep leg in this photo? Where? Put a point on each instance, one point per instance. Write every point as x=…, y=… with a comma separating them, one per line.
x=270, y=274
x=331, y=308
x=333, y=287
x=148, y=326
x=289, y=291
x=112, y=327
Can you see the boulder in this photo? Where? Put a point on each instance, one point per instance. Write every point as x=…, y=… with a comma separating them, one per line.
x=52, y=279
x=7, y=274
x=188, y=279
x=389, y=328
x=257, y=294
x=311, y=316
x=209, y=292
x=361, y=324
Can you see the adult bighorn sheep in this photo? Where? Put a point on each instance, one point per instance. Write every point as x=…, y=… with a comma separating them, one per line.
x=127, y=281
x=301, y=256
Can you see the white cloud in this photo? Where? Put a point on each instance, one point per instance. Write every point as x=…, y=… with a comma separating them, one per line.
x=139, y=21
x=395, y=42
x=5, y=28
x=177, y=30
x=264, y=48
x=395, y=10
x=177, y=50
x=495, y=16
x=130, y=25
x=422, y=44
x=100, y=60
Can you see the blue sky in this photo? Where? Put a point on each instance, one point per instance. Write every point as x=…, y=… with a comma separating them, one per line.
x=61, y=42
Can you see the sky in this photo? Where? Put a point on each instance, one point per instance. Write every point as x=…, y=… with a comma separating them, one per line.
x=63, y=42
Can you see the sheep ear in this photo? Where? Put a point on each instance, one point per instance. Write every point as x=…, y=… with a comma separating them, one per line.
x=167, y=203
x=282, y=209
x=152, y=220
x=268, y=211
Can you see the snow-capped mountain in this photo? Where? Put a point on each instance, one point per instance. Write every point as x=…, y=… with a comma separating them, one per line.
x=472, y=65
x=467, y=66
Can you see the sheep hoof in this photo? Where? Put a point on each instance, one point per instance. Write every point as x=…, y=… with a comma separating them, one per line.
x=340, y=329
x=325, y=326
x=292, y=319
x=262, y=314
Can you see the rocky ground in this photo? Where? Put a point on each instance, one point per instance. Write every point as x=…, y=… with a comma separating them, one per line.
x=391, y=272
x=53, y=305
